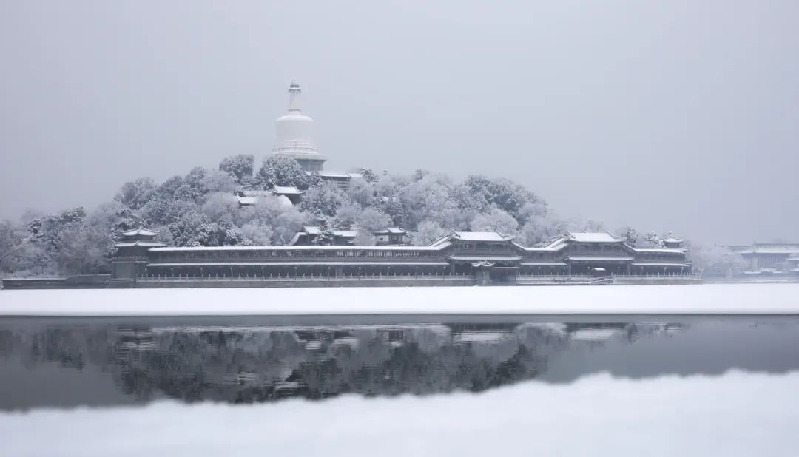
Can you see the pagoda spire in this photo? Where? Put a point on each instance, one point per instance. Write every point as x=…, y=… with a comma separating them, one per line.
x=294, y=97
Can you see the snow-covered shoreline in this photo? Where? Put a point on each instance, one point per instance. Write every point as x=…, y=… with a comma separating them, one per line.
x=715, y=299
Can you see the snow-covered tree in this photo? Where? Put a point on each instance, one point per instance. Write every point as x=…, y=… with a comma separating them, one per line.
x=496, y=220
x=502, y=193
x=257, y=233
x=427, y=233
x=240, y=167
x=219, y=181
x=136, y=194
x=324, y=199
x=281, y=171
x=716, y=260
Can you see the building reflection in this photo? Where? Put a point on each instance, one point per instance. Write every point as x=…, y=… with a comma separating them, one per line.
x=260, y=364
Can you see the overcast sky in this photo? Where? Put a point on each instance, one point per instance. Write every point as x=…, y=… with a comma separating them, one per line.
x=665, y=115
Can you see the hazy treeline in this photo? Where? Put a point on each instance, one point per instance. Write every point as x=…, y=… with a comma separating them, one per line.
x=200, y=209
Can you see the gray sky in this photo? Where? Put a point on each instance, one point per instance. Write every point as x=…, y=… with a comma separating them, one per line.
x=669, y=115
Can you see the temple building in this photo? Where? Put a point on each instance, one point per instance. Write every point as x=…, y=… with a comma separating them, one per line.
x=391, y=236
x=769, y=257
x=469, y=257
x=312, y=235
x=295, y=139
x=295, y=135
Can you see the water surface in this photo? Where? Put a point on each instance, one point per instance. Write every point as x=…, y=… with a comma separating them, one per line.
x=123, y=361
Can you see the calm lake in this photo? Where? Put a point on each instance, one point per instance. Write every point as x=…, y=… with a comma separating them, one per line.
x=71, y=362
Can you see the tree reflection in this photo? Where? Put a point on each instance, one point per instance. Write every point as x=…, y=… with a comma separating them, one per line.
x=260, y=364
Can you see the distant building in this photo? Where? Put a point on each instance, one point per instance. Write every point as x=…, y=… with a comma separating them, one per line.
x=295, y=139
x=392, y=236
x=288, y=195
x=769, y=257
x=311, y=235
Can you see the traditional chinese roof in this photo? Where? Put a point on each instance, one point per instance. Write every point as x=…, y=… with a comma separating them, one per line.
x=139, y=232
x=660, y=264
x=599, y=259
x=485, y=259
x=139, y=243
x=592, y=237
x=390, y=230
x=661, y=250
x=296, y=264
x=286, y=190
x=247, y=201
x=781, y=249
x=480, y=236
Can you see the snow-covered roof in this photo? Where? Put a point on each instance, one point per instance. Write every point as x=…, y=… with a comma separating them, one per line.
x=391, y=230
x=247, y=201
x=782, y=249
x=293, y=248
x=481, y=236
x=345, y=233
x=293, y=264
x=284, y=201
x=139, y=231
x=659, y=264
x=556, y=245
x=286, y=190
x=486, y=258
x=593, y=237
x=312, y=230
x=543, y=264
x=255, y=193
x=139, y=243
x=661, y=250
x=337, y=175
x=600, y=259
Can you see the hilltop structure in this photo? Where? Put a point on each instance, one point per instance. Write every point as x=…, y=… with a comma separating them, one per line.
x=295, y=139
x=295, y=135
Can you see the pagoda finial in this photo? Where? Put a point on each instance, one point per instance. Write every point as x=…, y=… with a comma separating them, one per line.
x=294, y=95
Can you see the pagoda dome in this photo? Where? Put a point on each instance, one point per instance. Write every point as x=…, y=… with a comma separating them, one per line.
x=294, y=130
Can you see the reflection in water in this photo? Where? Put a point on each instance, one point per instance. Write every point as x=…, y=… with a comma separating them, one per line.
x=102, y=363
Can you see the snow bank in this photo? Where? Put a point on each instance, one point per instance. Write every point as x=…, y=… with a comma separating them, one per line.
x=734, y=415
x=557, y=300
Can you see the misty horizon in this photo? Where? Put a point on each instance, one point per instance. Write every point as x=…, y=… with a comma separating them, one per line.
x=663, y=117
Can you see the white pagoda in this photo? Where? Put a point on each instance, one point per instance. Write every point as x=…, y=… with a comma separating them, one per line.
x=295, y=135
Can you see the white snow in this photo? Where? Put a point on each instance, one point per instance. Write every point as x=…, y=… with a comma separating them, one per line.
x=661, y=250
x=247, y=201
x=480, y=236
x=736, y=414
x=486, y=258
x=286, y=190
x=659, y=264
x=595, y=334
x=139, y=231
x=479, y=337
x=752, y=299
x=593, y=237
x=295, y=248
x=599, y=259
